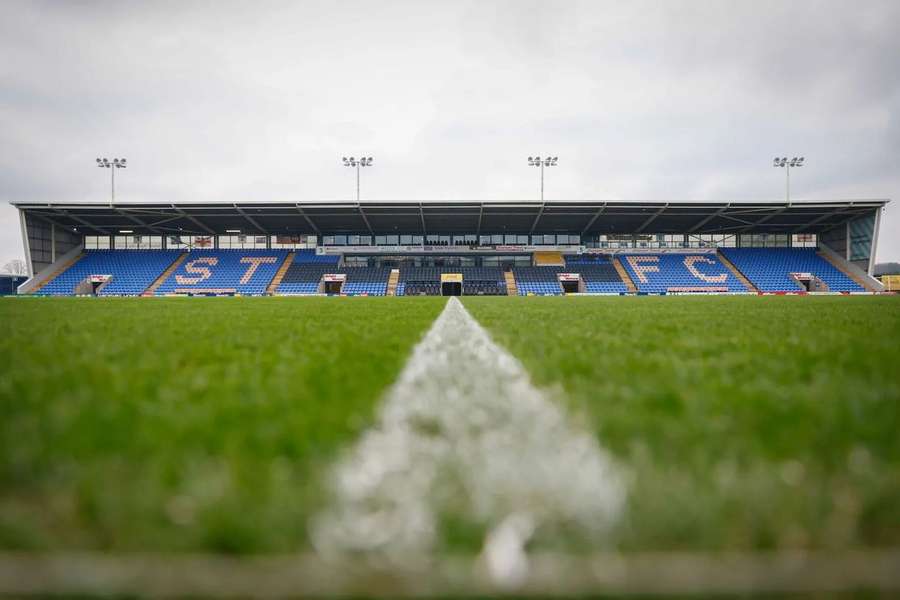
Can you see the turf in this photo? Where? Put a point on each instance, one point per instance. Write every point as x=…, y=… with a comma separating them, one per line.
x=745, y=422
x=185, y=424
x=206, y=424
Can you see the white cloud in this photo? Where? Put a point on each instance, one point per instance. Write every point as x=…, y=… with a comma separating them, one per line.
x=644, y=100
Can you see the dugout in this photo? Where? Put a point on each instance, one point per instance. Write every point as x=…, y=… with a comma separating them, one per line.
x=332, y=284
x=809, y=282
x=451, y=284
x=91, y=286
x=571, y=283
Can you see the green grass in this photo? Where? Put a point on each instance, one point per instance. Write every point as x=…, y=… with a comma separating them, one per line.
x=185, y=424
x=205, y=424
x=746, y=422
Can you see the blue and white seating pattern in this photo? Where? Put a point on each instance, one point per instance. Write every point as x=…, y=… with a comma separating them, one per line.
x=245, y=272
x=133, y=271
x=769, y=269
x=676, y=272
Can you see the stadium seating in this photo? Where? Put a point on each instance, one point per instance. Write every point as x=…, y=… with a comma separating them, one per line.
x=365, y=280
x=245, y=272
x=309, y=256
x=543, y=281
x=305, y=274
x=769, y=269
x=133, y=271
x=598, y=273
x=477, y=281
x=676, y=272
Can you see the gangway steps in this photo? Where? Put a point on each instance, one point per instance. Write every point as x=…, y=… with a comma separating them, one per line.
x=279, y=275
x=56, y=273
x=837, y=265
x=392, y=282
x=511, y=288
x=626, y=278
x=165, y=275
x=737, y=273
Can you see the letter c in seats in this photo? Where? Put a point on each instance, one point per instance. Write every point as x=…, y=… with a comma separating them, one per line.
x=690, y=261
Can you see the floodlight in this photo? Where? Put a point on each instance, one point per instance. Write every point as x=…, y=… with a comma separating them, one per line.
x=117, y=163
x=364, y=161
x=796, y=161
x=546, y=161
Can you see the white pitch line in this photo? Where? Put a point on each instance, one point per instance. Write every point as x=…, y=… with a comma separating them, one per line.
x=464, y=435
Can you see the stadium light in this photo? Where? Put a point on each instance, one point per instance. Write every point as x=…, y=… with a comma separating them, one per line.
x=788, y=164
x=112, y=165
x=363, y=161
x=547, y=161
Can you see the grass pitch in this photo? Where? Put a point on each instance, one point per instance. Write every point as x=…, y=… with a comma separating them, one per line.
x=748, y=423
x=185, y=424
x=204, y=424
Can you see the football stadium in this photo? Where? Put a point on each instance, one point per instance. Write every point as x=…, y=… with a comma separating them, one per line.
x=450, y=249
x=455, y=399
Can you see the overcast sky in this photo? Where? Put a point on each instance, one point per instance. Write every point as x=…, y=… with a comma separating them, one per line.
x=664, y=100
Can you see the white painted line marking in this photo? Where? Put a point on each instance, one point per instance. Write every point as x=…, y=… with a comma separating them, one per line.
x=463, y=434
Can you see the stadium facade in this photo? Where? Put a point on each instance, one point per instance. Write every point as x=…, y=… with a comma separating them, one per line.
x=455, y=247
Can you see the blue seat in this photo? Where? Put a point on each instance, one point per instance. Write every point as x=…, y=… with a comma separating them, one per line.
x=769, y=269
x=664, y=273
x=245, y=272
x=305, y=273
x=132, y=271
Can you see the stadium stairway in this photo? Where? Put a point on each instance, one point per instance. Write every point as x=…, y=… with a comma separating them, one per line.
x=737, y=273
x=165, y=275
x=279, y=275
x=842, y=268
x=59, y=271
x=629, y=284
x=511, y=288
x=393, y=279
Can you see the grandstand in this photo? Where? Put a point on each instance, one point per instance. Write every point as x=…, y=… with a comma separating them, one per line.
x=450, y=248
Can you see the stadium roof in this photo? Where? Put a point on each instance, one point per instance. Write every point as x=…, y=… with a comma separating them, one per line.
x=449, y=217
